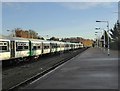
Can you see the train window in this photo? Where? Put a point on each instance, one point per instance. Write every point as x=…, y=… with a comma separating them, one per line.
x=62, y=45
x=46, y=47
x=53, y=46
x=19, y=48
x=5, y=43
x=0, y=48
x=25, y=44
x=3, y=48
x=39, y=47
x=25, y=47
x=1, y=43
x=58, y=46
x=66, y=45
x=71, y=45
x=34, y=48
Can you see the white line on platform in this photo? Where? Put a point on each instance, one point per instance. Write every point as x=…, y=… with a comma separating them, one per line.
x=51, y=71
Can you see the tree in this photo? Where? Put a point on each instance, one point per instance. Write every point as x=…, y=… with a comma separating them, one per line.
x=33, y=34
x=115, y=34
x=53, y=38
x=25, y=33
x=41, y=38
x=18, y=32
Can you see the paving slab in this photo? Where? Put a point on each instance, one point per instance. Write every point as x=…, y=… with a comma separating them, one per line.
x=93, y=69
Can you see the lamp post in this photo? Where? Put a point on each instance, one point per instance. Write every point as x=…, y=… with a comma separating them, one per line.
x=108, y=35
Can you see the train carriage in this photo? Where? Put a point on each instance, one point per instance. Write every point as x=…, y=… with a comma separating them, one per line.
x=67, y=46
x=78, y=45
x=58, y=46
x=35, y=47
x=53, y=46
x=72, y=46
x=75, y=45
x=4, y=49
x=62, y=46
x=19, y=47
x=81, y=45
x=46, y=47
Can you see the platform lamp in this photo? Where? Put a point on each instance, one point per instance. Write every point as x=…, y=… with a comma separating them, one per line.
x=108, y=35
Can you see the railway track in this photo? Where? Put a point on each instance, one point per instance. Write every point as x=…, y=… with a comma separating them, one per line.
x=44, y=67
x=22, y=63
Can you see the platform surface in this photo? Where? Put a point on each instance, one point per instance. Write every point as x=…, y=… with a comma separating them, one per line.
x=93, y=69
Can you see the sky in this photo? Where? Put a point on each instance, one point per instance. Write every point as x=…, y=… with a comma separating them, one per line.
x=58, y=19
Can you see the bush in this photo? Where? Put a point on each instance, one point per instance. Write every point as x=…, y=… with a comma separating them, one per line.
x=114, y=46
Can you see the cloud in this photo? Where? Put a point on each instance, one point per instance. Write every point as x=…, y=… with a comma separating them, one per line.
x=85, y=5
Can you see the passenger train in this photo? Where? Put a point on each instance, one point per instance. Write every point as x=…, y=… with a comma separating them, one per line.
x=17, y=48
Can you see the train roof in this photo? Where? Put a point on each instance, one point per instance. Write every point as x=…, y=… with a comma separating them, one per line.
x=38, y=40
x=34, y=40
x=55, y=42
x=11, y=38
x=4, y=39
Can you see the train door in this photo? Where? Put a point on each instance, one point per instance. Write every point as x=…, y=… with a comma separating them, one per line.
x=55, y=47
x=12, y=49
x=42, y=47
x=30, y=48
x=51, y=46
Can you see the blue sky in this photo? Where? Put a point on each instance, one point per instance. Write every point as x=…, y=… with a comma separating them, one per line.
x=59, y=19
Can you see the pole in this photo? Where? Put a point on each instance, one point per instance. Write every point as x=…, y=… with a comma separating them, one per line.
x=108, y=39
x=101, y=40
x=97, y=40
x=104, y=40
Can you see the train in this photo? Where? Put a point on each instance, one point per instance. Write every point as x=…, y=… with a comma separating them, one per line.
x=16, y=48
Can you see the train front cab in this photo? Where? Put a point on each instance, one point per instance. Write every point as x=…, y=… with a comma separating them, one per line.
x=4, y=49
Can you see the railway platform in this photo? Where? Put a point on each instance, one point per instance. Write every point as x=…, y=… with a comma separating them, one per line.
x=92, y=69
